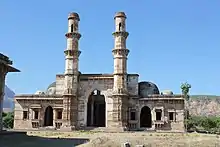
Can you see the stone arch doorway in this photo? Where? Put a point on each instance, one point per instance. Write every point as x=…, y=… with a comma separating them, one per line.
x=145, y=117
x=48, y=116
x=96, y=110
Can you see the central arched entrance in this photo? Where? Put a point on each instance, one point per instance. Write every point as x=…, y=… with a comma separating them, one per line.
x=145, y=118
x=48, y=116
x=96, y=110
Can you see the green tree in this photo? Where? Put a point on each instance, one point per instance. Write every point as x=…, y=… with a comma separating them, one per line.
x=8, y=120
x=185, y=92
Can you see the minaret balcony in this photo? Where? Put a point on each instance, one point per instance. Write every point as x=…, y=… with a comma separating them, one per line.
x=73, y=35
x=120, y=52
x=73, y=53
x=120, y=33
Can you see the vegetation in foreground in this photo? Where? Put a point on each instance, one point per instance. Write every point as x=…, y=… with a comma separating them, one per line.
x=8, y=120
x=203, y=124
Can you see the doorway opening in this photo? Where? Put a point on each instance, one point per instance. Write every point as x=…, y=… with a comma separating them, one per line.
x=48, y=116
x=96, y=109
x=145, y=118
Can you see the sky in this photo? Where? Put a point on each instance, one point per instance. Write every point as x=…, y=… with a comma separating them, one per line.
x=170, y=41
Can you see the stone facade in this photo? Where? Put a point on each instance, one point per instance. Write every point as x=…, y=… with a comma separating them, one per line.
x=5, y=67
x=115, y=101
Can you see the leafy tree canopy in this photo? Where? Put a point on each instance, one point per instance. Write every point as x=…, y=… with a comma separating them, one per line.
x=185, y=89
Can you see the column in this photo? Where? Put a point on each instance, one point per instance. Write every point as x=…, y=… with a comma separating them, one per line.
x=92, y=112
x=2, y=86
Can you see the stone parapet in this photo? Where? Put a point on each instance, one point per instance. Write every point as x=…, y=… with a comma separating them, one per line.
x=163, y=97
x=96, y=75
x=38, y=97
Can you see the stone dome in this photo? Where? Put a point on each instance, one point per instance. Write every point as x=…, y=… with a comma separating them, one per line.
x=120, y=14
x=167, y=92
x=147, y=88
x=51, y=85
x=73, y=15
x=51, y=89
x=39, y=92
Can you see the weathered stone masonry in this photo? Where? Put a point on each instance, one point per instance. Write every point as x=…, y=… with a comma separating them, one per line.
x=115, y=102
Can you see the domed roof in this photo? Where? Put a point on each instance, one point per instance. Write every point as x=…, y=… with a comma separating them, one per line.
x=167, y=92
x=51, y=85
x=51, y=89
x=147, y=88
x=39, y=92
x=73, y=15
x=120, y=14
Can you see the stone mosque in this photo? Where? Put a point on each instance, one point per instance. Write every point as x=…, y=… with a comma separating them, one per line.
x=115, y=101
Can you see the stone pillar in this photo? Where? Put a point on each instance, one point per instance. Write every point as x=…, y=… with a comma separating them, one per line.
x=92, y=112
x=2, y=86
x=138, y=113
x=120, y=112
x=41, y=117
x=72, y=53
x=54, y=114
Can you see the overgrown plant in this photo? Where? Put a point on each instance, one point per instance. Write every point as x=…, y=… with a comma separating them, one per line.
x=185, y=92
x=8, y=120
x=209, y=124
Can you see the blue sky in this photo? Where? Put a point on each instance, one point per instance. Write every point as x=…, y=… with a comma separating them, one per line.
x=170, y=41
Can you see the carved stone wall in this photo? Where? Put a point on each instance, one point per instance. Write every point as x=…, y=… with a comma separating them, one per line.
x=133, y=84
x=166, y=105
x=85, y=89
x=28, y=104
x=60, y=84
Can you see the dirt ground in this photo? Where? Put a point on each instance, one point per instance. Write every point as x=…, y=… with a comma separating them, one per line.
x=99, y=139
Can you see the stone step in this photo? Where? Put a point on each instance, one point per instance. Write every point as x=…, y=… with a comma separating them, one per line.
x=47, y=128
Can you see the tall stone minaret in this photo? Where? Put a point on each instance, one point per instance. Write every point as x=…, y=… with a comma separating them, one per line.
x=72, y=54
x=120, y=53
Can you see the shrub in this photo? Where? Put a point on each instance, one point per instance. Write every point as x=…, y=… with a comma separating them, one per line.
x=8, y=120
x=203, y=124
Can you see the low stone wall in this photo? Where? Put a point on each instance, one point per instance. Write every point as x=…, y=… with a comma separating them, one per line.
x=204, y=106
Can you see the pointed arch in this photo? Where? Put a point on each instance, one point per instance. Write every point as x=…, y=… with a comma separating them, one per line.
x=119, y=26
x=96, y=109
x=48, y=116
x=145, y=117
x=71, y=28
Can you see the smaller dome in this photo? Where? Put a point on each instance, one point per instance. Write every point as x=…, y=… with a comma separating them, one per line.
x=147, y=88
x=73, y=15
x=120, y=14
x=166, y=92
x=51, y=91
x=51, y=85
x=39, y=92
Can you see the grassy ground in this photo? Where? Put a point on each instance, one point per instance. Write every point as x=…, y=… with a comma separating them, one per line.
x=98, y=139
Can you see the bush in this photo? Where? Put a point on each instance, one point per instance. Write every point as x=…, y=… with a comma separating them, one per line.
x=8, y=120
x=203, y=124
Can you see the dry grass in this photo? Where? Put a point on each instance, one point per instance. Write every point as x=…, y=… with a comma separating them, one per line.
x=148, y=139
x=98, y=139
